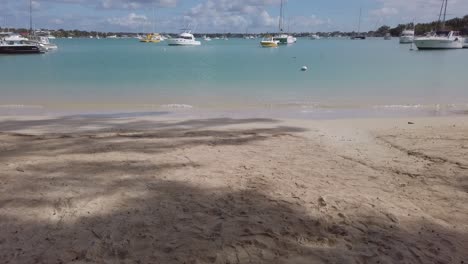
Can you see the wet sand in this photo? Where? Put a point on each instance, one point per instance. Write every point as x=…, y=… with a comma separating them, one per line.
x=107, y=189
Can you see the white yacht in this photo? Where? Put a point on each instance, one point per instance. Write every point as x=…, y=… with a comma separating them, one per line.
x=440, y=40
x=205, y=38
x=465, y=43
x=407, y=37
x=184, y=39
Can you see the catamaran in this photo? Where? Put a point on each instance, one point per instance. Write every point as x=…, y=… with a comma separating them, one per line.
x=441, y=39
x=282, y=37
x=16, y=44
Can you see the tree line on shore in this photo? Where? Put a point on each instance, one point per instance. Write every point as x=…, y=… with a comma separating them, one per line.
x=456, y=24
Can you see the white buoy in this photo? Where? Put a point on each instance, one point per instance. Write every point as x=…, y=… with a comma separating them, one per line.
x=304, y=68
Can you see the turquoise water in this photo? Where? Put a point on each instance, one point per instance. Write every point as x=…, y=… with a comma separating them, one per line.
x=123, y=74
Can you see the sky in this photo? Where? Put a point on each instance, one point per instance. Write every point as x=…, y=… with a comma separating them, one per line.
x=209, y=16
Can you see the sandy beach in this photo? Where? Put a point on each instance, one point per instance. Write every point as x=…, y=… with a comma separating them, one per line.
x=150, y=189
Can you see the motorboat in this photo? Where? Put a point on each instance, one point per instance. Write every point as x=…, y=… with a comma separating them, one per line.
x=440, y=40
x=388, y=36
x=205, y=38
x=184, y=39
x=269, y=42
x=407, y=37
x=44, y=42
x=465, y=43
x=16, y=44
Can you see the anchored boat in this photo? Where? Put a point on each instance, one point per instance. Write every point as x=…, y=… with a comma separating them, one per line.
x=269, y=42
x=407, y=37
x=282, y=37
x=442, y=39
x=184, y=39
x=15, y=44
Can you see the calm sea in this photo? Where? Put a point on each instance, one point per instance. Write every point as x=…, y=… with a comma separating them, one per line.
x=370, y=77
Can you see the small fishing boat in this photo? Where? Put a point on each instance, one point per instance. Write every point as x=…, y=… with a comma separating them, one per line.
x=269, y=42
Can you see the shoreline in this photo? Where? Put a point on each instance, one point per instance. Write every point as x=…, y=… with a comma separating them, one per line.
x=233, y=190
x=289, y=110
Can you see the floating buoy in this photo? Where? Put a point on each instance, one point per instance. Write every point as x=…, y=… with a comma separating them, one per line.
x=304, y=68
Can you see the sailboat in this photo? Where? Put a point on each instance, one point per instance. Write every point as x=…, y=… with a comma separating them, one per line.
x=441, y=39
x=282, y=37
x=359, y=35
x=37, y=37
x=152, y=37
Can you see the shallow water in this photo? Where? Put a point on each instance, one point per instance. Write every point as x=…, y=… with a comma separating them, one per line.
x=357, y=77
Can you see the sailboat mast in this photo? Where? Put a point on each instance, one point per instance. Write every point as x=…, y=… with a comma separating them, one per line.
x=360, y=15
x=440, y=13
x=154, y=17
x=281, y=17
x=445, y=14
x=30, y=18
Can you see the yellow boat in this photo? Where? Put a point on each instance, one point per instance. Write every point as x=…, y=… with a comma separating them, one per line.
x=269, y=42
x=151, y=38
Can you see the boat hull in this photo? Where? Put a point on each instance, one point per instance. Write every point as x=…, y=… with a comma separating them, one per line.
x=269, y=44
x=182, y=42
x=434, y=44
x=26, y=49
x=465, y=43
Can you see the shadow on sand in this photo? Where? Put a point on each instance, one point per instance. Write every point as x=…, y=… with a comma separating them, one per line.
x=98, y=211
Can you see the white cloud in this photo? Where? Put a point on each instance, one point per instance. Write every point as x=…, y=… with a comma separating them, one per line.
x=385, y=12
x=131, y=21
x=239, y=15
x=421, y=10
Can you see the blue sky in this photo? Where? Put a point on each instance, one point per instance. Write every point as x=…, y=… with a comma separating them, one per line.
x=220, y=15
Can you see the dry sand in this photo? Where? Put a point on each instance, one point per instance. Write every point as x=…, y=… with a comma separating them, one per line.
x=102, y=189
